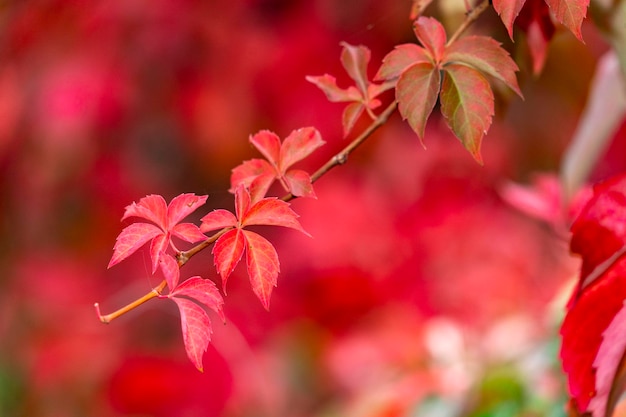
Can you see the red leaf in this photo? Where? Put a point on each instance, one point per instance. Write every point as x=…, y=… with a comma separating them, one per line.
x=132, y=238
x=467, y=105
x=599, y=233
x=152, y=207
x=536, y=21
x=570, y=13
x=416, y=93
x=300, y=183
x=188, y=232
x=298, y=145
x=272, y=212
x=402, y=57
x=197, y=330
x=328, y=84
x=218, y=219
x=355, y=59
x=350, y=115
x=593, y=317
x=508, y=11
x=249, y=171
x=263, y=266
x=170, y=270
x=486, y=55
x=431, y=35
x=204, y=291
x=582, y=330
x=268, y=143
x=157, y=247
x=182, y=206
x=607, y=364
x=227, y=253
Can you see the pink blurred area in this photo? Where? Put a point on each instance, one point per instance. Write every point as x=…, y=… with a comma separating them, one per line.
x=418, y=271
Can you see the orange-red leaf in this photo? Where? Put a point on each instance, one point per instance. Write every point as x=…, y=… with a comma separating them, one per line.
x=570, y=13
x=467, y=104
x=227, y=253
x=197, y=330
x=132, y=238
x=402, y=57
x=508, y=11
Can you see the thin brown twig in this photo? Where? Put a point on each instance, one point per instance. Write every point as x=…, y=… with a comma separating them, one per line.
x=184, y=256
x=470, y=18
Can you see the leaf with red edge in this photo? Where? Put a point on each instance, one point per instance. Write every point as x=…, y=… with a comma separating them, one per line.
x=431, y=35
x=203, y=291
x=594, y=311
x=227, y=253
x=508, y=11
x=268, y=143
x=152, y=207
x=132, y=238
x=416, y=92
x=263, y=266
x=467, y=104
x=570, y=13
x=402, y=57
x=197, y=329
x=170, y=269
x=487, y=56
x=218, y=219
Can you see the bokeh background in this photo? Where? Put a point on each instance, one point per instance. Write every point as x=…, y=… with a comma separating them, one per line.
x=422, y=292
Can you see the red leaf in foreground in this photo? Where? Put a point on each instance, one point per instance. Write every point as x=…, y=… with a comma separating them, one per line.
x=262, y=260
x=195, y=322
x=197, y=329
x=263, y=266
x=589, y=350
x=467, y=105
x=508, y=11
x=170, y=270
x=166, y=221
x=570, y=13
x=417, y=91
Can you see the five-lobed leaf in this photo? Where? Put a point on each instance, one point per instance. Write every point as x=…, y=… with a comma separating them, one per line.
x=258, y=175
x=166, y=222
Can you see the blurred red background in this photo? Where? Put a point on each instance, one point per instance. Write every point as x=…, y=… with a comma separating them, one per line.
x=421, y=291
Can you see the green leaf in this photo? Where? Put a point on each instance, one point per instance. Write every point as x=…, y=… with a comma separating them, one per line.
x=416, y=93
x=467, y=104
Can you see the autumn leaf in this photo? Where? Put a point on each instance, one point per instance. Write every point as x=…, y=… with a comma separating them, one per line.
x=164, y=223
x=362, y=98
x=467, y=104
x=258, y=175
x=592, y=331
x=192, y=297
x=261, y=258
x=466, y=97
x=536, y=21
